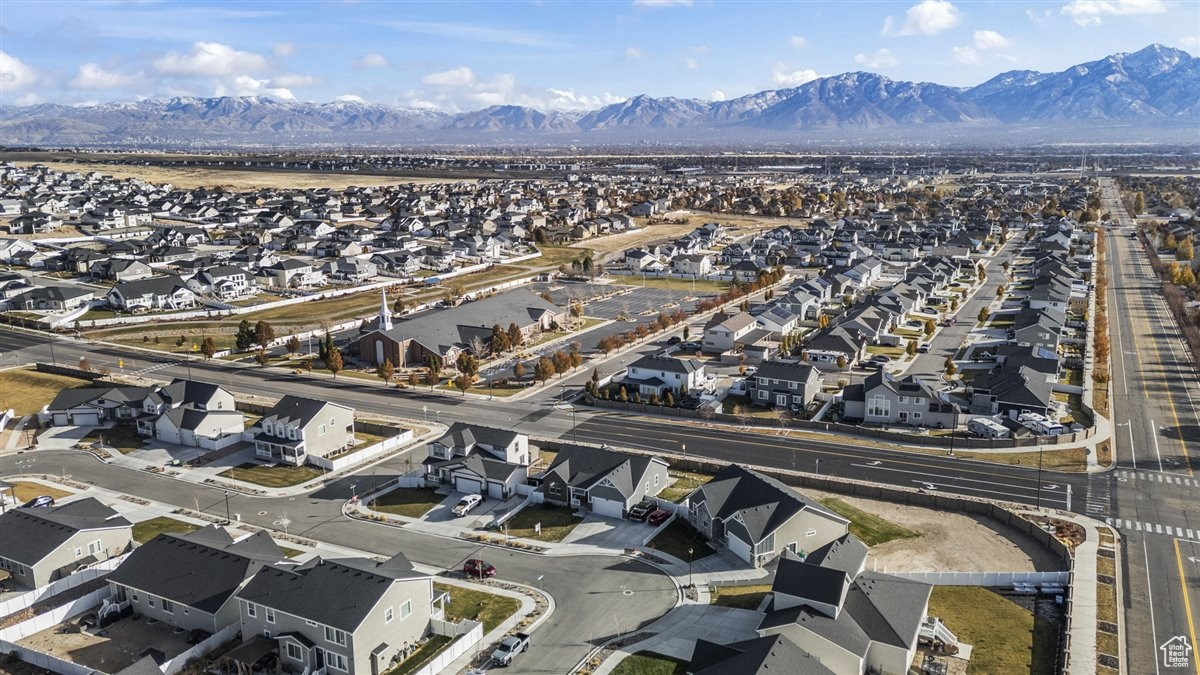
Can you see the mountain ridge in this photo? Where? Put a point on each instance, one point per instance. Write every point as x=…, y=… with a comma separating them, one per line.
x=1153, y=86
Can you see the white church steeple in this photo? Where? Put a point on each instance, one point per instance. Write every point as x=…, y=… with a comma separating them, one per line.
x=385, y=313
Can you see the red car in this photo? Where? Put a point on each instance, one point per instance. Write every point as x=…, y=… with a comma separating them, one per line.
x=658, y=516
x=479, y=568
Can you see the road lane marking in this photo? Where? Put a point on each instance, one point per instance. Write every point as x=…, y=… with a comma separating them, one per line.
x=1187, y=604
x=1132, y=454
x=1154, y=437
x=1150, y=601
x=1175, y=415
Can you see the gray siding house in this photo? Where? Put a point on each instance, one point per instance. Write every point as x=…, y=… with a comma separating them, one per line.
x=41, y=545
x=189, y=581
x=347, y=616
x=297, y=428
x=784, y=385
x=757, y=517
x=883, y=399
x=604, y=481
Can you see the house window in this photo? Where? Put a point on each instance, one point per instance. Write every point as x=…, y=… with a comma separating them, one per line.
x=556, y=489
x=267, y=634
x=405, y=609
x=294, y=652
x=134, y=596
x=879, y=406
x=918, y=400
x=916, y=416
x=321, y=430
x=149, y=600
x=656, y=479
x=95, y=547
x=336, y=661
x=310, y=622
x=781, y=399
x=251, y=610
x=904, y=399
x=168, y=606
x=337, y=637
x=270, y=615
x=78, y=552
x=388, y=615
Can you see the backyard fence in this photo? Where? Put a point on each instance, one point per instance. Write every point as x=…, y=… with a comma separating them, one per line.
x=26, y=600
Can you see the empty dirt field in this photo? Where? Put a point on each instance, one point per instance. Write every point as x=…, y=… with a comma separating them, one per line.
x=949, y=542
x=739, y=226
x=236, y=179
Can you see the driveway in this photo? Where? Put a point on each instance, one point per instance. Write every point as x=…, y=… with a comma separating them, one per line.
x=610, y=533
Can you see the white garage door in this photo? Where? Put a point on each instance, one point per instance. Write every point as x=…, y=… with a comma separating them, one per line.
x=85, y=418
x=607, y=507
x=495, y=490
x=738, y=547
x=467, y=485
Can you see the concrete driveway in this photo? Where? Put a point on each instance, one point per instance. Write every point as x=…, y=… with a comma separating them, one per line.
x=612, y=533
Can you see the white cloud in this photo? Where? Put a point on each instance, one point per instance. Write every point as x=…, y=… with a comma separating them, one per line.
x=567, y=99
x=293, y=80
x=717, y=95
x=1089, y=12
x=634, y=53
x=880, y=58
x=210, y=58
x=798, y=41
x=15, y=75
x=966, y=55
x=244, y=85
x=928, y=17
x=989, y=39
x=691, y=64
x=783, y=77
x=456, y=77
x=283, y=49
x=372, y=60
x=28, y=98
x=662, y=3
x=1190, y=41
x=1037, y=17
x=93, y=76
x=350, y=98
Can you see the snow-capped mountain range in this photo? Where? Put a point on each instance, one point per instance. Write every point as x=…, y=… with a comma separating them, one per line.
x=1155, y=87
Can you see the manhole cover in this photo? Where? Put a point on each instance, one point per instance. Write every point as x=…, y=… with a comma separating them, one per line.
x=262, y=513
x=626, y=592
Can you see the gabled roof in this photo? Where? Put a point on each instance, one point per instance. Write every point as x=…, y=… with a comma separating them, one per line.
x=338, y=593
x=668, y=364
x=889, y=609
x=201, y=569
x=785, y=372
x=760, y=656
x=463, y=435
x=763, y=503
x=297, y=410
x=582, y=467
x=29, y=535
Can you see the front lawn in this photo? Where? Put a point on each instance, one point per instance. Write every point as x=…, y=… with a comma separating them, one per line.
x=677, y=538
x=1005, y=636
x=27, y=391
x=24, y=491
x=408, y=502
x=477, y=605
x=557, y=522
x=649, y=663
x=149, y=529
x=685, y=482
x=739, y=597
x=276, y=476
x=123, y=437
x=868, y=527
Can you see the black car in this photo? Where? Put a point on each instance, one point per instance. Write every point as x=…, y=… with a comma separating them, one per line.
x=675, y=339
x=40, y=501
x=872, y=365
x=641, y=511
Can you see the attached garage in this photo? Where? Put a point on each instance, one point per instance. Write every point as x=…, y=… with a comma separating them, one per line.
x=81, y=419
x=739, y=548
x=468, y=485
x=608, y=507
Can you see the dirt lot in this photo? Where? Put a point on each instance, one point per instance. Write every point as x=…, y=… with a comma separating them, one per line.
x=183, y=177
x=117, y=650
x=740, y=226
x=949, y=542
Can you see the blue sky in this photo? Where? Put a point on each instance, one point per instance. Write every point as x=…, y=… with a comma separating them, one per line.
x=456, y=56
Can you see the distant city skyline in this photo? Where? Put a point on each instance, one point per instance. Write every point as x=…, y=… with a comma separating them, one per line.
x=456, y=56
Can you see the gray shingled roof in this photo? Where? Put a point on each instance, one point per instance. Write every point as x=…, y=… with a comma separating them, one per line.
x=338, y=593
x=29, y=535
x=760, y=656
x=765, y=503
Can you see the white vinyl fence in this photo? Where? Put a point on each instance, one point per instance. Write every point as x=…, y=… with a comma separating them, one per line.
x=989, y=579
x=453, y=650
x=198, y=650
x=26, y=600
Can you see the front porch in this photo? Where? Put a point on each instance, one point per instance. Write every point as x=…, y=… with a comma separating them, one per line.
x=281, y=450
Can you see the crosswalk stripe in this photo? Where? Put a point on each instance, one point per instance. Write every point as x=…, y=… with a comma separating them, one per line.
x=1158, y=528
x=1139, y=526
x=1129, y=524
x=1190, y=535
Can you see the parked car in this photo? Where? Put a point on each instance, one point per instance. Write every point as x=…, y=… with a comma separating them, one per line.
x=479, y=568
x=464, y=505
x=689, y=346
x=872, y=365
x=39, y=501
x=658, y=516
x=689, y=403
x=881, y=358
x=923, y=349
x=675, y=339
x=641, y=511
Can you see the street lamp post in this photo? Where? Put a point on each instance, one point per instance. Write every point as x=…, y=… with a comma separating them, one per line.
x=690, y=550
x=353, y=491
x=228, y=515
x=1039, y=478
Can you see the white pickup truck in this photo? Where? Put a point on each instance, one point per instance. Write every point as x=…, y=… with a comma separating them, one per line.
x=509, y=647
x=464, y=505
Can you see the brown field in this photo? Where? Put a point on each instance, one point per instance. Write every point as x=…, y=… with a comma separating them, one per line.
x=237, y=179
x=658, y=232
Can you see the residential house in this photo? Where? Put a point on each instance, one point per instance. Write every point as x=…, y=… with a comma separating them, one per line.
x=155, y=293
x=767, y=655
x=836, y=342
x=692, y=264
x=606, y=482
x=1012, y=391
x=655, y=375
x=224, y=282
x=297, y=428
x=51, y=298
x=482, y=460
x=883, y=399
x=42, y=545
x=784, y=385
x=120, y=269
x=849, y=619
x=725, y=332
x=351, y=615
x=777, y=319
x=757, y=517
x=189, y=581
x=90, y=406
x=290, y=273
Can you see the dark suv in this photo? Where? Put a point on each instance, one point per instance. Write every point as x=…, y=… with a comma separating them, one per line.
x=640, y=511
